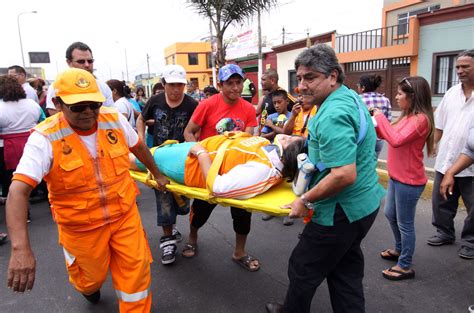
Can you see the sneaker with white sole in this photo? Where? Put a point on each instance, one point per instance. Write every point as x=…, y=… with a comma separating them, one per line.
x=177, y=234
x=168, y=246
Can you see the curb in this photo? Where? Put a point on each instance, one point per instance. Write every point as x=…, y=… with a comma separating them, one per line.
x=426, y=195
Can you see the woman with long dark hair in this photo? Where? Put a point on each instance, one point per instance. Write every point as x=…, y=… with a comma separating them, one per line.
x=406, y=138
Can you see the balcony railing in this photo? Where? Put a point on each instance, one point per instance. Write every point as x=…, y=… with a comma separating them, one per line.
x=372, y=39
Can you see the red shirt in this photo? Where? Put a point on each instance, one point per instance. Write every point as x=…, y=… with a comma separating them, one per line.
x=211, y=110
x=406, y=140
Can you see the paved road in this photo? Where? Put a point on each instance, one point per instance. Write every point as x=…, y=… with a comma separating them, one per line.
x=211, y=282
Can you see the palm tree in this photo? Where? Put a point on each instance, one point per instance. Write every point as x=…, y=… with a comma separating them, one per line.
x=223, y=13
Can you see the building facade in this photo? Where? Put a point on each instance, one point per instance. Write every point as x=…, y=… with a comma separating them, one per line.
x=195, y=57
x=287, y=53
x=395, y=50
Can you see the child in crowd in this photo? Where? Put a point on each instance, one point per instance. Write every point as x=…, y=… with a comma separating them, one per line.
x=301, y=113
x=275, y=122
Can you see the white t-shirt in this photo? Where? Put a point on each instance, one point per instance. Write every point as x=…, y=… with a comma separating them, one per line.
x=126, y=108
x=247, y=180
x=30, y=92
x=18, y=116
x=38, y=154
x=104, y=88
x=453, y=116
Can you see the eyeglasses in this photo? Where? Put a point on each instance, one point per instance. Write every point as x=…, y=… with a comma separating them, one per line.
x=405, y=79
x=78, y=108
x=90, y=61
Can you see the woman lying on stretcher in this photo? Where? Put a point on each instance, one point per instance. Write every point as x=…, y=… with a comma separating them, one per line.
x=250, y=164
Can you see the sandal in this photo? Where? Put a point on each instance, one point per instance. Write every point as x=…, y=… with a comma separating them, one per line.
x=400, y=275
x=246, y=262
x=190, y=250
x=389, y=254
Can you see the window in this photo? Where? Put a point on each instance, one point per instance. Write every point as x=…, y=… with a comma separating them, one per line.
x=195, y=82
x=404, y=18
x=192, y=58
x=444, y=72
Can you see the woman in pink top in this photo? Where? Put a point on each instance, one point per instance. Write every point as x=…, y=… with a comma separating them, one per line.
x=406, y=138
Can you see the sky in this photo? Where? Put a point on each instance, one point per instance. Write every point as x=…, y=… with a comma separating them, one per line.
x=138, y=28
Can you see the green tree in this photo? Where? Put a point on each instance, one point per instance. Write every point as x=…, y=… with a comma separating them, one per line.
x=223, y=13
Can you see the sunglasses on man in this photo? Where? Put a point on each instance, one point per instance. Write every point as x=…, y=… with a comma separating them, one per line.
x=83, y=61
x=78, y=108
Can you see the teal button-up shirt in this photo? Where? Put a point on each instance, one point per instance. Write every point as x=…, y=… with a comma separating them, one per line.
x=333, y=134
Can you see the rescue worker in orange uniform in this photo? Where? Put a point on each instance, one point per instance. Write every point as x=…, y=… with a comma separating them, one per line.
x=82, y=154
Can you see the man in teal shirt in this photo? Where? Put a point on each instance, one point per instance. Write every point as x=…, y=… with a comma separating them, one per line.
x=345, y=194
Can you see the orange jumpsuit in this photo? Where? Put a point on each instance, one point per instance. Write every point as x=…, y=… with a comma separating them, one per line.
x=93, y=203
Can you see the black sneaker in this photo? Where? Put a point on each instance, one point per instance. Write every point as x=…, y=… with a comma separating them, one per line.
x=466, y=253
x=177, y=234
x=93, y=298
x=168, y=245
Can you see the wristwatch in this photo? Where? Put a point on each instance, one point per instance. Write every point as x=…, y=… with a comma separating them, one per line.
x=307, y=203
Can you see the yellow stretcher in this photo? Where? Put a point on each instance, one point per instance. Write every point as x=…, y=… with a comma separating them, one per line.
x=269, y=202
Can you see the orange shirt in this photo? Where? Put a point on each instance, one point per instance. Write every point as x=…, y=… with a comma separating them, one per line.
x=301, y=125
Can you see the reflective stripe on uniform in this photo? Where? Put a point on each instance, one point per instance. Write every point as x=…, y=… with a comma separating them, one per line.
x=60, y=134
x=132, y=297
x=69, y=257
x=109, y=125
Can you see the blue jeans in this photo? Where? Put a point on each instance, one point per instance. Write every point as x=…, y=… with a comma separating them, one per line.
x=400, y=210
x=378, y=147
x=167, y=208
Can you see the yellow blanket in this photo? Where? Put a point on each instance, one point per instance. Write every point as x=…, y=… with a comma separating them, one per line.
x=269, y=202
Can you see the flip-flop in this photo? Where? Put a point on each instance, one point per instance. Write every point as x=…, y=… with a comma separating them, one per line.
x=402, y=275
x=245, y=262
x=388, y=254
x=189, y=247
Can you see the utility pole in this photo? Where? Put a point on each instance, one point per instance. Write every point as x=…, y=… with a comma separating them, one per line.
x=213, y=59
x=19, y=35
x=148, y=66
x=260, y=60
x=126, y=64
x=308, y=41
x=283, y=35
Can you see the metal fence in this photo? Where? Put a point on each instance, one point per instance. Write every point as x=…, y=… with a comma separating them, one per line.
x=371, y=39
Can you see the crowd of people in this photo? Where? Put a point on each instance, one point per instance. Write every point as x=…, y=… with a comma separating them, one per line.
x=95, y=131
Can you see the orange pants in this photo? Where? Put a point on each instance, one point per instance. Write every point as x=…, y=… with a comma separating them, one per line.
x=121, y=246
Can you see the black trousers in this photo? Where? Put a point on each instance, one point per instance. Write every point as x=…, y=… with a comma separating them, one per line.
x=201, y=210
x=332, y=253
x=444, y=211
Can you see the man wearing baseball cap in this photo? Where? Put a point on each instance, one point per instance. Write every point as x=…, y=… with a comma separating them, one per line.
x=226, y=111
x=169, y=113
x=82, y=154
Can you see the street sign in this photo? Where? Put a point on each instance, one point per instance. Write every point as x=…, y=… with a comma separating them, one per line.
x=39, y=57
